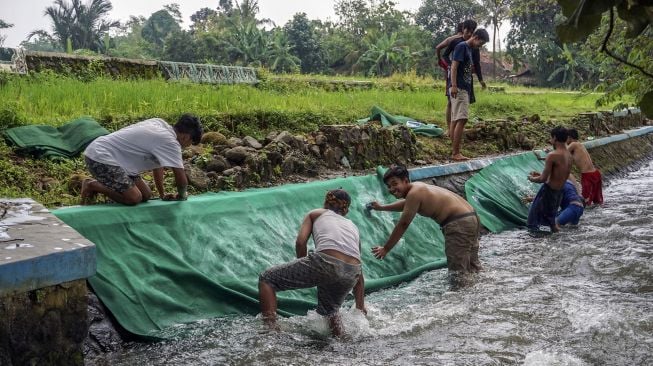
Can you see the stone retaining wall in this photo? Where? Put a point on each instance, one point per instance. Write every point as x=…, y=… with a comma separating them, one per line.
x=45, y=326
x=82, y=65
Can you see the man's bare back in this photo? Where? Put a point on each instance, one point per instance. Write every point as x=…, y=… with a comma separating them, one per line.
x=436, y=202
x=581, y=157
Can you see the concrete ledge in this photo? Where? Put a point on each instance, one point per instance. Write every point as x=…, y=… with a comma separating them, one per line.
x=640, y=131
x=451, y=169
x=478, y=164
x=39, y=250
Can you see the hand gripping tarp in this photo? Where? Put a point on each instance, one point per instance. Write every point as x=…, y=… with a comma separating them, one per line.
x=497, y=191
x=164, y=263
x=63, y=142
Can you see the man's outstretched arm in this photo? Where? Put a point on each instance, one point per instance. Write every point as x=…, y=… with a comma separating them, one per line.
x=395, y=206
x=411, y=206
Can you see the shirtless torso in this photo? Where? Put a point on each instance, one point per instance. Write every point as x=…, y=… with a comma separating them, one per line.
x=560, y=168
x=581, y=157
x=420, y=198
x=556, y=168
x=435, y=202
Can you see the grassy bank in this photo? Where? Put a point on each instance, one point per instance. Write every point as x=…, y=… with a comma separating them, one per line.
x=241, y=110
x=294, y=103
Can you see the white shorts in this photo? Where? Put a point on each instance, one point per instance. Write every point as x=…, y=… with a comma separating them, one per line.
x=460, y=106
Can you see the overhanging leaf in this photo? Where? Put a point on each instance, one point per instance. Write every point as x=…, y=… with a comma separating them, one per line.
x=635, y=16
x=646, y=104
x=569, y=6
x=569, y=32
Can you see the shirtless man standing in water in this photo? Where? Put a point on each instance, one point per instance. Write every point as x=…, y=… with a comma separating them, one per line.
x=456, y=217
x=590, y=179
x=556, y=171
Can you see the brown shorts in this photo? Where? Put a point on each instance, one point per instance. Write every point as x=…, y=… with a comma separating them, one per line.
x=461, y=242
x=334, y=279
x=112, y=177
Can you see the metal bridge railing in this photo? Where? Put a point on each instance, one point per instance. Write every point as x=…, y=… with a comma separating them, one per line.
x=206, y=73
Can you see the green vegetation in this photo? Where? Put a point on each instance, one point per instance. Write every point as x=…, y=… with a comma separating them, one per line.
x=297, y=103
x=604, y=47
x=275, y=105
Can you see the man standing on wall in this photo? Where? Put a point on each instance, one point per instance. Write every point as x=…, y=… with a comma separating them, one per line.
x=462, y=88
x=467, y=28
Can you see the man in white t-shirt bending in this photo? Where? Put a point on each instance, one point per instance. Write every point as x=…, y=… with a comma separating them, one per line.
x=117, y=159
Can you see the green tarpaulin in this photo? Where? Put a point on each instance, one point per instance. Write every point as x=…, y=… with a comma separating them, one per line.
x=497, y=191
x=387, y=119
x=163, y=263
x=62, y=142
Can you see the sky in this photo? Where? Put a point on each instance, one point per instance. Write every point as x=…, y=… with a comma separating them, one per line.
x=27, y=15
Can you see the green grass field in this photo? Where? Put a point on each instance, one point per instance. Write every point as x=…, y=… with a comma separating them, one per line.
x=296, y=103
x=56, y=100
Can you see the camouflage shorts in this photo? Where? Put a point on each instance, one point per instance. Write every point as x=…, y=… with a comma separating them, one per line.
x=334, y=279
x=111, y=176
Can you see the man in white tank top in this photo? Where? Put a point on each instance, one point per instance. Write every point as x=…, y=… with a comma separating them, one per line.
x=116, y=160
x=334, y=267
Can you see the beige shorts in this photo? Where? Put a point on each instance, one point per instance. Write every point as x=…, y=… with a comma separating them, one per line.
x=460, y=105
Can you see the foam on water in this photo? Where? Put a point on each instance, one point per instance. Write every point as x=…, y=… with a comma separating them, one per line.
x=542, y=358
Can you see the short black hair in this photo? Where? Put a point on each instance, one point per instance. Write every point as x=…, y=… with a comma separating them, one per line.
x=470, y=24
x=398, y=171
x=482, y=35
x=573, y=133
x=337, y=200
x=190, y=124
x=559, y=133
x=459, y=27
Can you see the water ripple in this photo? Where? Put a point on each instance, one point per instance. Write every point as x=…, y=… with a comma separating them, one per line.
x=582, y=297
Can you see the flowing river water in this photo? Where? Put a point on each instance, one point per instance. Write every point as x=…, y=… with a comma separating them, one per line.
x=581, y=297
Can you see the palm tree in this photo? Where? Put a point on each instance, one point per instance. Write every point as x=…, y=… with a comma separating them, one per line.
x=245, y=42
x=383, y=55
x=247, y=11
x=4, y=25
x=83, y=25
x=571, y=70
x=280, y=54
x=497, y=11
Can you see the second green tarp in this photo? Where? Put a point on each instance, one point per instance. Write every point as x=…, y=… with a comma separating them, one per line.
x=387, y=119
x=64, y=142
x=497, y=191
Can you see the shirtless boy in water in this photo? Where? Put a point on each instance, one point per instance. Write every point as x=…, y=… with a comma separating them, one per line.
x=590, y=179
x=556, y=171
x=456, y=217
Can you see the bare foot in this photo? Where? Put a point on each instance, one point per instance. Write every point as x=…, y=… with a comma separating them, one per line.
x=459, y=157
x=88, y=198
